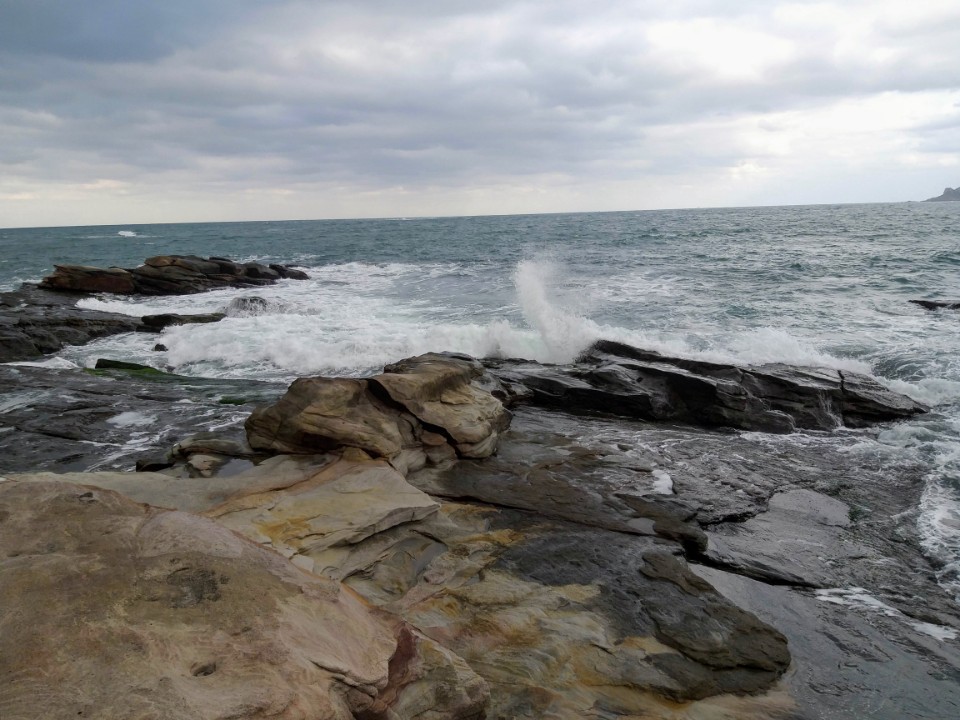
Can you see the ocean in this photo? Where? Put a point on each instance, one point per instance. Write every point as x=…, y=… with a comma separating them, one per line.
x=819, y=285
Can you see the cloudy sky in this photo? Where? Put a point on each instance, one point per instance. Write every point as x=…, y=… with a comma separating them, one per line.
x=124, y=111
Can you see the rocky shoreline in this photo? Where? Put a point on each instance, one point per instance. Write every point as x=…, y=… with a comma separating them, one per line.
x=454, y=539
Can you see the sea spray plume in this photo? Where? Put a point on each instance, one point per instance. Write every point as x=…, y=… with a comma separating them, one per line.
x=564, y=334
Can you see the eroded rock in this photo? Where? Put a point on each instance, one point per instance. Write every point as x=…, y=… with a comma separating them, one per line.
x=387, y=414
x=167, y=275
x=115, y=609
x=621, y=380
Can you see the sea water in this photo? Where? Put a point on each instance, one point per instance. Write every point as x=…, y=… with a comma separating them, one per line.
x=821, y=285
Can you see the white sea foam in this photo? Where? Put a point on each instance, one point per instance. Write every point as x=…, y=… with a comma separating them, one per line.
x=127, y=233
x=352, y=318
x=132, y=419
x=54, y=363
x=662, y=482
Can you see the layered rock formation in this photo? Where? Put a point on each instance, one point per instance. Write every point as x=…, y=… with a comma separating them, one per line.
x=621, y=380
x=422, y=408
x=34, y=322
x=566, y=567
x=115, y=609
x=38, y=320
x=168, y=275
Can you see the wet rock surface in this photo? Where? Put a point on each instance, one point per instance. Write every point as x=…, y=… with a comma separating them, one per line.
x=71, y=419
x=593, y=566
x=35, y=322
x=622, y=380
x=168, y=275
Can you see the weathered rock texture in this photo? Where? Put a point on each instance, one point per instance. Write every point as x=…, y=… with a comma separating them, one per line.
x=594, y=566
x=621, y=380
x=34, y=322
x=167, y=275
x=113, y=609
x=424, y=408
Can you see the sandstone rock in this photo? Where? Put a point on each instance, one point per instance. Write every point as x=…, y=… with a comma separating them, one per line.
x=191, y=263
x=385, y=414
x=559, y=620
x=437, y=390
x=114, y=609
x=81, y=278
x=341, y=504
x=321, y=414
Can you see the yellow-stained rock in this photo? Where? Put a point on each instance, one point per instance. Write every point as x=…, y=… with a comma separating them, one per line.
x=113, y=609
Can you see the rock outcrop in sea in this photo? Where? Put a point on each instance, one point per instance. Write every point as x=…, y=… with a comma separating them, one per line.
x=949, y=194
x=453, y=539
x=40, y=319
x=168, y=275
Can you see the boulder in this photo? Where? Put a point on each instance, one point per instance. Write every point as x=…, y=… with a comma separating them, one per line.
x=260, y=272
x=621, y=380
x=287, y=272
x=437, y=390
x=247, y=305
x=386, y=414
x=320, y=414
x=81, y=278
x=156, y=323
x=167, y=275
x=116, y=609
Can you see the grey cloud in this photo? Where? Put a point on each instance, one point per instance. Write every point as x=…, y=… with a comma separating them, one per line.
x=380, y=93
x=112, y=30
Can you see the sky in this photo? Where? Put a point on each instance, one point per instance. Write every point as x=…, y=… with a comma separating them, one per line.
x=138, y=111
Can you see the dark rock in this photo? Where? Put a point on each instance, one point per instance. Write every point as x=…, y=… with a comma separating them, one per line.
x=156, y=323
x=80, y=278
x=949, y=194
x=167, y=275
x=191, y=263
x=247, y=305
x=154, y=464
x=712, y=632
x=642, y=590
x=160, y=347
x=621, y=380
x=937, y=304
x=107, y=364
x=34, y=321
x=227, y=266
x=260, y=272
x=69, y=420
x=287, y=272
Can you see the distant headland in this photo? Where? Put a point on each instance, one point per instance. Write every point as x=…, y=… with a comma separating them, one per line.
x=948, y=194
